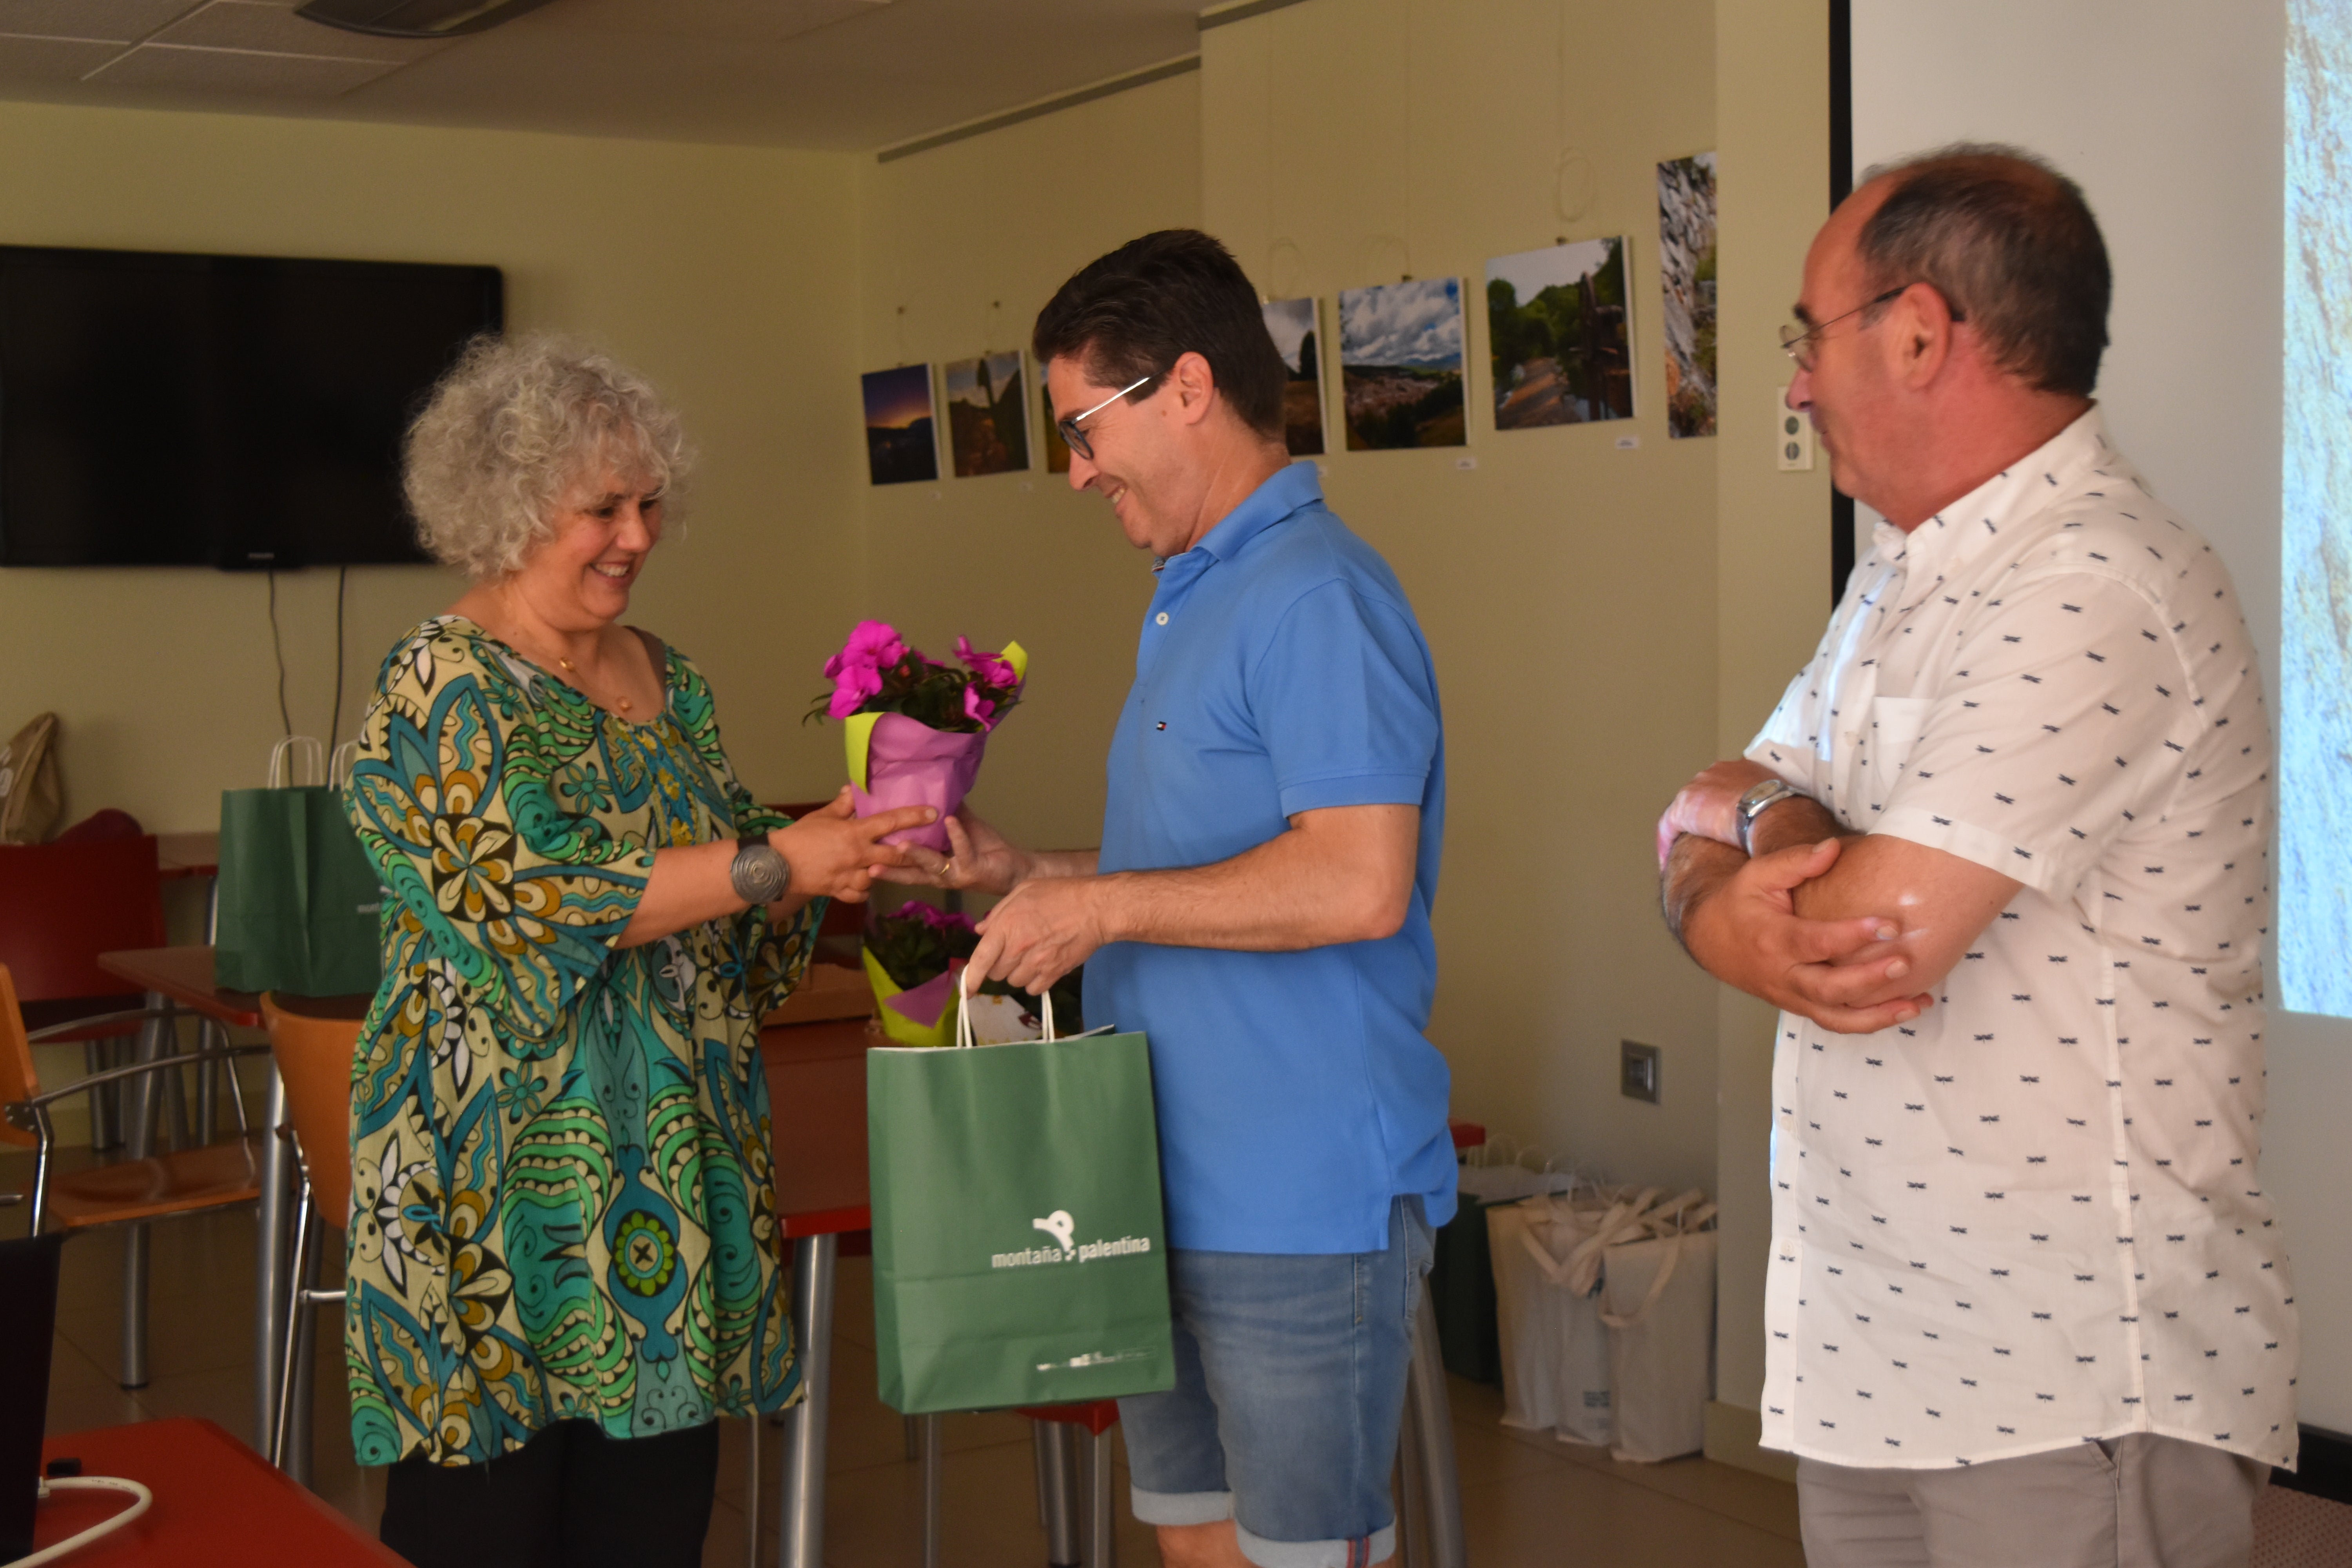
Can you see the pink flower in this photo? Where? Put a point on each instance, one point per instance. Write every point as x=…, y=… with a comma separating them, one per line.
x=873, y=645
x=977, y=707
x=850, y=690
x=992, y=669
x=857, y=670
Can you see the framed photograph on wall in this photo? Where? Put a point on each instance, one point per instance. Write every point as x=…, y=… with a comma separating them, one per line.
x=1560, y=335
x=1291, y=324
x=988, y=425
x=1686, y=268
x=901, y=425
x=1401, y=364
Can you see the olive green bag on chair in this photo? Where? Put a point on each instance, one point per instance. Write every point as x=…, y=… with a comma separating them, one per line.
x=1020, y=1247
x=299, y=901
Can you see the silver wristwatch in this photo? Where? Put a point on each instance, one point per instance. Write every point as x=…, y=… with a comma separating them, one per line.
x=1758, y=799
x=759, y=873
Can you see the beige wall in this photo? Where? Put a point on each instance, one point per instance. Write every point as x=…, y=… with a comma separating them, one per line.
x=1566, y=587
x=1772, y=556
x=723, y=273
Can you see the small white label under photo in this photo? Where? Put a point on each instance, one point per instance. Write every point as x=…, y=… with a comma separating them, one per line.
x=999, y=1021
x=1465, y=464
x=1628, y=443
x=1792, y=436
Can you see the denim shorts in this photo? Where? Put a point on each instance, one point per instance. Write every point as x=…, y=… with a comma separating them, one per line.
x=1290, y=1379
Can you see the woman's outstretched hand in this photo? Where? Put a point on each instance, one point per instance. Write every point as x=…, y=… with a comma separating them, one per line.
x=835, y=853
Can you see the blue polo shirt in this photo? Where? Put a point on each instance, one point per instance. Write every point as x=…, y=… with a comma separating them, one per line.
x=1281, y=670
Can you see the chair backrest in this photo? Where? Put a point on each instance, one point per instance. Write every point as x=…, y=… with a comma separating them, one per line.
x=314, y=1057
x=16, y=1079
x=61, y=905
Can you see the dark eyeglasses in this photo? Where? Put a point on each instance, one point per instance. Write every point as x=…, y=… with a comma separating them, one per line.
x=1078, y=437
x=1798, y=341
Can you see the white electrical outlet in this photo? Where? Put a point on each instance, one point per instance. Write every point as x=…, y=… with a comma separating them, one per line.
x=1792, y=436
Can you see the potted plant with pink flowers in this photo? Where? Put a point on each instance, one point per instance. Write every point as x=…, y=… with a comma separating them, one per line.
x=916, y=728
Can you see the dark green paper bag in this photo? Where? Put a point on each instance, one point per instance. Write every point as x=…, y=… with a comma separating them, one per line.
x=299, y=897
x=1020, y=1249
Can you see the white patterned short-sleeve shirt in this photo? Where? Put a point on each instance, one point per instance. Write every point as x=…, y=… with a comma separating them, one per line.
x=2033, y=1215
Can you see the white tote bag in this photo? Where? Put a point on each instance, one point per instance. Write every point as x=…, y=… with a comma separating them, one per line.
x=1524, y=1322
x=1658, y=1300
x=1570, y=1245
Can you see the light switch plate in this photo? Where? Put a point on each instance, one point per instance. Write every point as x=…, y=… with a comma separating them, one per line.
x=1638, y=1070
x=1793, y=435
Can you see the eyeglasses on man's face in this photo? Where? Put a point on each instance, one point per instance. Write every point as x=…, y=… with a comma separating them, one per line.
x=1801, y=342
x=1076, y=437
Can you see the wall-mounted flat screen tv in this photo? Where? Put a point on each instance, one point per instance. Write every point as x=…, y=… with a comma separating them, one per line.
x=232, y=411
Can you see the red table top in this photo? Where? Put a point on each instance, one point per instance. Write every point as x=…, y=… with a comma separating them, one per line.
x=185, y=975
x=187, y=854
x=217, y=1502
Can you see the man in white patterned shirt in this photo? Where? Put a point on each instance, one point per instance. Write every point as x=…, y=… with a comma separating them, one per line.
x=2000, y=856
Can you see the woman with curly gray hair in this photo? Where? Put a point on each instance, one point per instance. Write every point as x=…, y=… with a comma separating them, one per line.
x=563, y=1249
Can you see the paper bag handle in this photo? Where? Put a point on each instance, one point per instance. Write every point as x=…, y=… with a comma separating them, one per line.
x=307, y=747
x=340, y=765
x=963, y=1039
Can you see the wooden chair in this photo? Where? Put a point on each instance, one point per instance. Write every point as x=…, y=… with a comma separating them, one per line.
x=131, y=1191
x=314, y=1060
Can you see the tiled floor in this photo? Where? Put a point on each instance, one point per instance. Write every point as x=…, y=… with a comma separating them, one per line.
x=1526, y=1499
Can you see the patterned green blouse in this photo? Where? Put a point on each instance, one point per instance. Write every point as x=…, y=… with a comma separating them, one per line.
x=563, y=1204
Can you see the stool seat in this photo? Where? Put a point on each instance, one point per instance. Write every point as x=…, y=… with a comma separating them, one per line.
x=213, y=1176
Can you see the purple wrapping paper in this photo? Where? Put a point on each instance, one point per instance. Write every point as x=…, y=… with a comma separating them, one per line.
x=908, y=762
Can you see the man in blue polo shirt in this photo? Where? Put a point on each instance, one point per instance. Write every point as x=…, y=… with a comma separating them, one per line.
x=1260, y=909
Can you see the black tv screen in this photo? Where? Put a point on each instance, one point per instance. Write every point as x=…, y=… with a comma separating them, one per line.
x=232, y=411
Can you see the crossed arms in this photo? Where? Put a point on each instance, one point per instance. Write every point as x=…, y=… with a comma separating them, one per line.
x=1855, y=932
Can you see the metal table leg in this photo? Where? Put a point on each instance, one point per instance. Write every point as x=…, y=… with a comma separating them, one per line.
x=801, y=1538
x=1102, y=1541
x=139, y=1139
x=931, y=1465
x=1058, y=1491
x=1436, y=1488
x=270, y=1253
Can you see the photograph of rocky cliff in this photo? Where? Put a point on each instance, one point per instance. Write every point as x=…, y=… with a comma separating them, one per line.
x=900, y=445
x=1401, y=364
x=1291, y=324
x=988, y=425
x=1687, y=264
x=1560, y=334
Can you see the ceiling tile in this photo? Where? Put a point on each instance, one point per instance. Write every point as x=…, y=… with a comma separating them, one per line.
x=176, y=69
x=50, y=59
x=114, y=21
x=277, y=30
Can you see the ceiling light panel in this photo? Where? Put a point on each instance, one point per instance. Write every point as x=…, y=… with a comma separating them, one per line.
x=172, y=69
x=276, y=29
x=105, y=21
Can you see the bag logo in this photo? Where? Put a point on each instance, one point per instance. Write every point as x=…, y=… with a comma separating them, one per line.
x=1067, y=1247
x=1057, y=1225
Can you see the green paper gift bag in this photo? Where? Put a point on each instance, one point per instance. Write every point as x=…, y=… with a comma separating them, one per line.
x=299, y=897
x=1020, y=1250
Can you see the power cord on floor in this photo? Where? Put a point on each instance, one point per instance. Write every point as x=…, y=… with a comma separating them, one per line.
x=141, y=1500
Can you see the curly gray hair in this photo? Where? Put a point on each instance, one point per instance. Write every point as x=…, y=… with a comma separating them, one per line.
x=512, y=425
